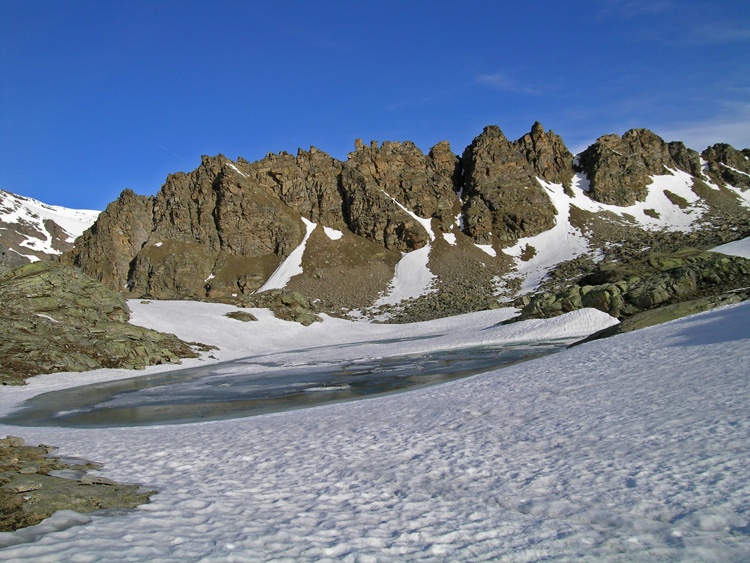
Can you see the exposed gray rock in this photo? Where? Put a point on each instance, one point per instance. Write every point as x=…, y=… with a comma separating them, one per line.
x=58, y=319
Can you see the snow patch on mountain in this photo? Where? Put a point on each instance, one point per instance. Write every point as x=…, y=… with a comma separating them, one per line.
x=292, y=265
x=658, y=211
x=561, y=242
x=565, y=242
x=32, y=214
x=487, y=249
x=332, y=234
x=411, y=279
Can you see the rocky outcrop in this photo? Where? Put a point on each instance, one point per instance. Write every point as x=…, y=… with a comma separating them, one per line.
x=623, y=290
x=285, y=305
x=379, y=185
x=501, y=194
x=308, y=183
x=619, y=168
x=106, y=250
x=727, y=165
x=29, y=494
x=56, y=318
x=670, y=312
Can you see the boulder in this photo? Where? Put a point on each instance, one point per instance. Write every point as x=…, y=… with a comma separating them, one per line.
x=56, y=318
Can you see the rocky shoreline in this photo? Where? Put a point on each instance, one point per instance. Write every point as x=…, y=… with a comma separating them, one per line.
x=35, y=484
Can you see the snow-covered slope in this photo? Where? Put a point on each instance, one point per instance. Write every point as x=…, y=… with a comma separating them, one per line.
x=31, y=230
x=629, y=448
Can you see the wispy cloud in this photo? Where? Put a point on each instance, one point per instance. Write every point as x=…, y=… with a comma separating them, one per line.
x=629, y=9
x=504, y=83
x=716, y=33
x=703, y=134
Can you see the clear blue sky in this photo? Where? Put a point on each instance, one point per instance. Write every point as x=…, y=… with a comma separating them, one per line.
x=96, y=97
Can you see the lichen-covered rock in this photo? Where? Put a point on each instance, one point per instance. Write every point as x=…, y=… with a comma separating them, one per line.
x=29, y=494
x=623, y=290
x=619, y=168
x=56, y=318
x=502, y=196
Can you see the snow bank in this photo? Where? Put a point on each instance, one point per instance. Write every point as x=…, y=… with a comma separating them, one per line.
x=629, y=448
x=292, y=265
x=412, y=278
x=737, y=248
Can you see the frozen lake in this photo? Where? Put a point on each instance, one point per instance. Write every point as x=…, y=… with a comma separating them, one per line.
x=255, y=385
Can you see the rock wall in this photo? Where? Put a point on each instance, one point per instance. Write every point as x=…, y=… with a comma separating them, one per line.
x=618, y=168
x=501, y=194
x=220, y=231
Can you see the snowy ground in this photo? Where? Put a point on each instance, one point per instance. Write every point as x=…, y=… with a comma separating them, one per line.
x=630, y=448
x=27, y=211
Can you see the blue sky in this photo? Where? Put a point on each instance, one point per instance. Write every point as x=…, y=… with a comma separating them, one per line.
x=96, y=97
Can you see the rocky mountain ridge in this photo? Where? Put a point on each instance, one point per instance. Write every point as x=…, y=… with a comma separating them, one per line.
x=31, y=230
x=479, y=220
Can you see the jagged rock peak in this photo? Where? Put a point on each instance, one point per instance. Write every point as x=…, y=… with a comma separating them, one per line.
x=727, y=165
x=619, y=168
x=502, y=196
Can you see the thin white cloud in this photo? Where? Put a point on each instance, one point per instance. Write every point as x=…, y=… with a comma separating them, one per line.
x=716, y=33
x=504, y=83
x=700, y=135
x=629, y=9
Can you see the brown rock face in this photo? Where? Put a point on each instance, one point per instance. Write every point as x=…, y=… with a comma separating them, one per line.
x=374, y=177
x=619, y=168
x=501, y=193
x=308, y=183
x=727, y=165
x=215, y=222
x=107, y=248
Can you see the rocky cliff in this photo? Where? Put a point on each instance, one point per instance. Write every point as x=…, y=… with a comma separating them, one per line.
x=347, y=233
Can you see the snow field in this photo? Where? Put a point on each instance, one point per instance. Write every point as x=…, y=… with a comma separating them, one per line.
x=565, y=242
x=630, y=448
x=18, y=209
